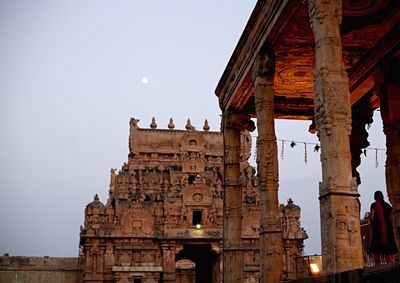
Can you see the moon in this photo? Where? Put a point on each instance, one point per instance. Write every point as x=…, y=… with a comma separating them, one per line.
x=144, y=80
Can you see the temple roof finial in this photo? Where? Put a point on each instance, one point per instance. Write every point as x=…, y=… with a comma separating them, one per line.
x=206, y=127
x=188, y=125
x=171, y=124
x=96, y=197
x=153, y=124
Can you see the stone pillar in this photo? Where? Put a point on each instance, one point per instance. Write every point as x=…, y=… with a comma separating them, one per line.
x=388, y=85
x=271, y=245
x=233, y=123
x=168, y=256
x=339, y=204
x=216, y=262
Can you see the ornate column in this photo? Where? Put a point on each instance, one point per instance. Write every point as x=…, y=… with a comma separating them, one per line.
x=232, y=124
x=388, y=84
x=271, y=245
x=216, y=262
x=339, y=205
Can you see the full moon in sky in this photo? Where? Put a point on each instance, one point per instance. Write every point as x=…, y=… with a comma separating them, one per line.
x=144, y=80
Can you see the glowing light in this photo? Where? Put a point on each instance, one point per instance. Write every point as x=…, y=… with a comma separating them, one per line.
x=314, y=268
x=144, y=80
x=198, y=226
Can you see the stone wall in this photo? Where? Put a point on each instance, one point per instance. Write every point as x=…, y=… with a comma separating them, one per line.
x=23, y=269
x=388, y=273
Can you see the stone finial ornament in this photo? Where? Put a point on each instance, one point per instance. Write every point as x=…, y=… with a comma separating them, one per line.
x=206, y=127
x=171, y=124
x=153, y=124
x=96, y=197
x=133, y=122
x=189, y=125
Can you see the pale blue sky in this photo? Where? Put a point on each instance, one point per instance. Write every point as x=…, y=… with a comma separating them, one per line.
x=69, y=82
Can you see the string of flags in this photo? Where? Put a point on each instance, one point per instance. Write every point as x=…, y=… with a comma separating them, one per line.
x=316, y=148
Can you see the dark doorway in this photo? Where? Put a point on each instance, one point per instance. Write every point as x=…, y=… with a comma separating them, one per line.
x=197, y=217
x=207, y=261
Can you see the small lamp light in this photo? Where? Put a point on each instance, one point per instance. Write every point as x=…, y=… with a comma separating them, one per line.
x=314, y=269
x=308, y=265
x=198, y=226
x=314, y=264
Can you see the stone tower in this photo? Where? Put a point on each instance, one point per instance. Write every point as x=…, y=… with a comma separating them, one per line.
x=163, y=218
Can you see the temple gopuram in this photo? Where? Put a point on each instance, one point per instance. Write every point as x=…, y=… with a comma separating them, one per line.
x=333, y=63
x=163, y=219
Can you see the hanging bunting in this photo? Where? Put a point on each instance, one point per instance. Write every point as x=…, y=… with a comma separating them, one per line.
x=305, y=153
x=317, y=147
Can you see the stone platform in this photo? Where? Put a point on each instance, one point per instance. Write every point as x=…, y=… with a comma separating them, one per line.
x=389, y=273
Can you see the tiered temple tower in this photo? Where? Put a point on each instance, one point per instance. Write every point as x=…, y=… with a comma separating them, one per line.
x=164, y=215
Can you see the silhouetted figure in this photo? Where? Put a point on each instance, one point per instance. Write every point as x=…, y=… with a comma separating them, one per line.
x=382, y=242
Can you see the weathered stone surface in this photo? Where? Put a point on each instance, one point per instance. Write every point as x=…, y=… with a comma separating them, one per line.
x=172, y=181
x=146, y=229
x=339, y=205
x=271, y=246
x=322, y=58
x=40, y=269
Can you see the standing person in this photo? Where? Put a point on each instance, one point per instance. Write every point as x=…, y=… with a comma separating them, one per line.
x=382, y=242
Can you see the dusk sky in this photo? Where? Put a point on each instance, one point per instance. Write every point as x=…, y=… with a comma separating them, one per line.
x=70, y=79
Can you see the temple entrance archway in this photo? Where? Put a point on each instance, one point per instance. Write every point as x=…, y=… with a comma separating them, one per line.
x=205, y=259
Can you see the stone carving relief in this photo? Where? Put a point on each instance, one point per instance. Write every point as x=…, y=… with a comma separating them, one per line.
x=137, y=221
x=251, y=223
x=152, y=199
x=193, y=162
x=197, y=195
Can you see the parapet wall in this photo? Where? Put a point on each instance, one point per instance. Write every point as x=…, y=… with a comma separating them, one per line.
x=23, y=269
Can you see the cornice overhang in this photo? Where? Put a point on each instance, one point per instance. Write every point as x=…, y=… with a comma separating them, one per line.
x=370, y=35
x=259, y=26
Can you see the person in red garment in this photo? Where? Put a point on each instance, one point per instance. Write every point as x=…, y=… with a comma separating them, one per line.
x=383, y=244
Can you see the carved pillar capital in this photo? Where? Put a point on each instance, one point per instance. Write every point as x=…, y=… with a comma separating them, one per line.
x=264, y=64
x=362, y=113
x=231, y=119
x=321, y=11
